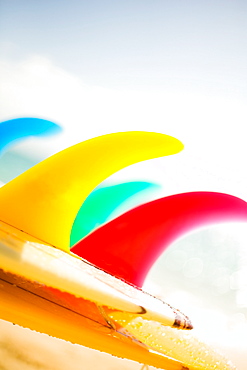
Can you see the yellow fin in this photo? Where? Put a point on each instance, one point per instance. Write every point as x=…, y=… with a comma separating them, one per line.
x=44, y=200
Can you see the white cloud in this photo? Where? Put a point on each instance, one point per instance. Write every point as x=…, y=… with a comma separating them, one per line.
x=211, y=127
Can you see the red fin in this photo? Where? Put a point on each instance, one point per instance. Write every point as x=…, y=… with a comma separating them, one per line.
x=128, y=246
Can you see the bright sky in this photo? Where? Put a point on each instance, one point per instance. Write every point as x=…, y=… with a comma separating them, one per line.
x=95, y=67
